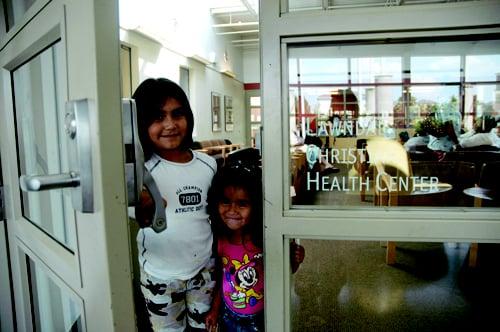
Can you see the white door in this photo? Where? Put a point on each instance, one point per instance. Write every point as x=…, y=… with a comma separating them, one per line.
x=291, y=37
x=69, y=256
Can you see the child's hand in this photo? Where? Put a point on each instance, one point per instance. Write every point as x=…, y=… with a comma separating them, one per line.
x=145, y=210
x=211, y=320
x=297, y=254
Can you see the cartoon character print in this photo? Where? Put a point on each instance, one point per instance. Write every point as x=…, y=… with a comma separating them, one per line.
x=243, y=277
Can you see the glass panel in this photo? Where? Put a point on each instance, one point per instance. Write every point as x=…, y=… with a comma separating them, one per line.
x=330, y=71
x=348, y=109
x=126, y=72
x=376, y=70
x=348, y=286
x=39, y=109
x=435, y=69
x=482, y=68
x=184, y=79
x=15, y=10
x=3, y=23
x=255, y=101
x=255, y=114
x=295, y=5
x=481, y=100
x=54, y=308
x=255, y=134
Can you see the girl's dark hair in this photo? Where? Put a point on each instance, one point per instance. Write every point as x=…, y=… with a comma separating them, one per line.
x=247, y=176
x=150, y=96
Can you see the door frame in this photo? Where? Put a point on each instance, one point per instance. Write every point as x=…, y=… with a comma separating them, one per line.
x=98, y=272
x=279, y=30
x=7, y=315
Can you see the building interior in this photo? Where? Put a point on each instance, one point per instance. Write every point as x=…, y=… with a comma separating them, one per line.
x=378, y=120
x=351, y=285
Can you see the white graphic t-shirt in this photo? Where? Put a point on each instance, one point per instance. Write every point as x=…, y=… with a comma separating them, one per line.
x=185, y=246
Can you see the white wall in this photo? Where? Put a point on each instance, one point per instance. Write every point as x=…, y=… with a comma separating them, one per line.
x=251, y=65
x=155, y=60
x=184, y=26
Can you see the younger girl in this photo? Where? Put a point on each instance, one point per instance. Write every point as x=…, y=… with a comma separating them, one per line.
x=176, y=264
x=235, y=202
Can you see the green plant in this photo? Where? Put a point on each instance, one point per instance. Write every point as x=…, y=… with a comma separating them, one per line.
x=430, y=126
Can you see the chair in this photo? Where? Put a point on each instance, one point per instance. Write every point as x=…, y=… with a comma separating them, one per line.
x=392, y=182
x=390, y=162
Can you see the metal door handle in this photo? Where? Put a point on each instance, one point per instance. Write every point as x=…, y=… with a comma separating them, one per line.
x=137, y=175
x=47, y=182
x=159, y=220
x=79, y=177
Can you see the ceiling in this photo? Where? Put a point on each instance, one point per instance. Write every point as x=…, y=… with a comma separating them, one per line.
x=238, y=20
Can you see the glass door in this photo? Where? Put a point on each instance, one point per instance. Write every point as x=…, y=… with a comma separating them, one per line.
x=65, y=201
x=349, y=83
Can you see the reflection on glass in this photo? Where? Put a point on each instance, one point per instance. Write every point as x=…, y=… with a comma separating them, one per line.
x=480, y=100
x=295, y=5
x=482, y=68
x=414, y=108
x=55, y=308
x=349, y=286
x=321, y=71
x=300, y=5
x=376, y=70
x=15, y=10
x=425, y=69
x=39, y=108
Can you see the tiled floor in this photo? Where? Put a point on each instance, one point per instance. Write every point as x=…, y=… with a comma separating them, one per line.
x=346, y=286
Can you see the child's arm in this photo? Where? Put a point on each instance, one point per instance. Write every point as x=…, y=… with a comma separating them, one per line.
x=297, y=254
x=145, y=209
x=212, y=317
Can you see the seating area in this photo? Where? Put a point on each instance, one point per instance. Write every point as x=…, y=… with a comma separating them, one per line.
x=464, y=178
x=217, y=148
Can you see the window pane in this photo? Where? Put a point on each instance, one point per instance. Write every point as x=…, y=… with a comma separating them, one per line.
x=481, y=100
x=42, y=148
x=348, y=286
x=385, y=125
x=295, y=5
x=126, y=72
x=435, y=69
x=15, y=10
x=482, y=67
x=323, y=71
x=372, y=70
x=55, y=308
x=255, y=101
x=184, y=79
x=255, y=115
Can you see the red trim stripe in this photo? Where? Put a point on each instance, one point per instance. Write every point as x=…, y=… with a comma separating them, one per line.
x=251, y=86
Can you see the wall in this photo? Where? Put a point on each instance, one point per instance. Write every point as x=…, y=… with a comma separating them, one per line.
x=251, y=65
x=155, y=60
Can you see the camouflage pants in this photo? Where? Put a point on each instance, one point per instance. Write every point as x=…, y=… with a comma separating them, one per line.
x=172, y=303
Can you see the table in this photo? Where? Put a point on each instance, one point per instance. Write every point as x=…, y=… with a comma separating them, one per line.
x=479, y=194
